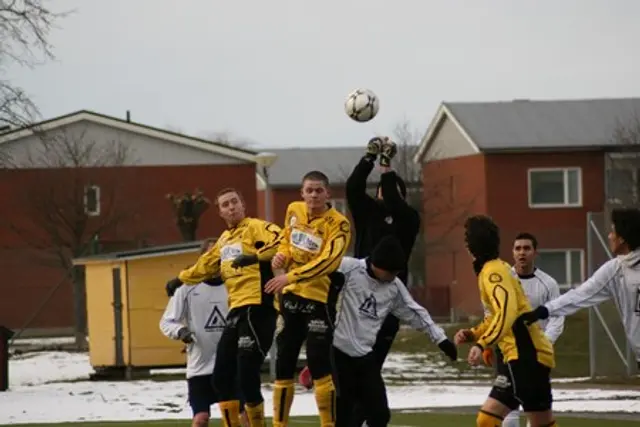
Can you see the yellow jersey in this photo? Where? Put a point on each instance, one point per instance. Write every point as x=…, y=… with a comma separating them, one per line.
x=314, y=247
x=504, y=301
x=244, y=284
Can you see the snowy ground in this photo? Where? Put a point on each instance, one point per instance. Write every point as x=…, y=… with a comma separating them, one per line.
x=53, y=387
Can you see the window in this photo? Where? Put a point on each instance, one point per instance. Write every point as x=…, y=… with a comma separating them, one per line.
x=552, y=188
x=622, y=185
x=340, y=205
x=92, y=200
x=564, y=265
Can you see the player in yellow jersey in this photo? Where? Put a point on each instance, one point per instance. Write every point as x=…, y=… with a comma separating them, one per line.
x=315, y=238
x=242, y=257
x=526, y=350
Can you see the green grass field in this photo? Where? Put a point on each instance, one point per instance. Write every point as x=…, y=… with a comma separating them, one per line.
x=398, y=420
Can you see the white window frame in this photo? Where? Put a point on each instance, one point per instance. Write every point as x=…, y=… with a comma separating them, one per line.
x=566, y=203
x=87, y=211
x=343, y=201
x=567, y=266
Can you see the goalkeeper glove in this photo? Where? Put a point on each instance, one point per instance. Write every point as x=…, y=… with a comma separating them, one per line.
x=373, y=149
x=185, y=335
x=387, y=152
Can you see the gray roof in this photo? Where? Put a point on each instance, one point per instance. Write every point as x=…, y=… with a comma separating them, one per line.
x=522, y=124
x=336, y=162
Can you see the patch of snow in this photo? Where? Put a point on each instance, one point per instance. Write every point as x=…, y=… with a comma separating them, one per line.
x=38, y=393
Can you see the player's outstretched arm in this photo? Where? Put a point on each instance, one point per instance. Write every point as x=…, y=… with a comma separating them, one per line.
x=207, y=266
x=283, y=251
x=266, y=239
x=356, y=187
x=410, y=312
x=271, y=235
x=555, y=326
x=591, y=293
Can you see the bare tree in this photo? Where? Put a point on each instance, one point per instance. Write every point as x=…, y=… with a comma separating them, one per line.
x=429, y=198
x=69, y=196
x=188, y=209
x=226, y=138
x=24, y=32
x=623, y=165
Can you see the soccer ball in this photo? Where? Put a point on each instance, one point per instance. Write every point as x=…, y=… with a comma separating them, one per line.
x=362, y=105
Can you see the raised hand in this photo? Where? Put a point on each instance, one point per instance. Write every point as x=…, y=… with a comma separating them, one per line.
x=387, y=152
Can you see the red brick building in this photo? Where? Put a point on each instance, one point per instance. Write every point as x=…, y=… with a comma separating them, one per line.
x=90, y=177
x=536, y=166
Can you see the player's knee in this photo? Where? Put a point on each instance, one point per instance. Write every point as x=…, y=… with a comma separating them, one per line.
x=487, y=419
x=222, y=381
x=319, y=365
x=250, y=381
x=201, y=419
x=318, y=357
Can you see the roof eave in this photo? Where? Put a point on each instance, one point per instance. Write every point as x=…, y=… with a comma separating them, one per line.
x=198, y=143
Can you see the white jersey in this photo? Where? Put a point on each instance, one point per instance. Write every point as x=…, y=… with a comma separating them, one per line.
x=364, y=304
x=541, y=288
x=203, y=309
x=617, y=279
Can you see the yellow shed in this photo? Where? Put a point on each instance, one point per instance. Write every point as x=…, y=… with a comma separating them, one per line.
x=125, y=299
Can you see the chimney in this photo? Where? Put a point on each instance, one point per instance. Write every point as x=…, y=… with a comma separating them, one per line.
x=128, y=116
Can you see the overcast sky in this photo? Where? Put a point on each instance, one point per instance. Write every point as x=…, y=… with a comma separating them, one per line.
x=277, y=72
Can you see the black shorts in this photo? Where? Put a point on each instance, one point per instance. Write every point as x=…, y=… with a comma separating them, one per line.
x=522, y=382
x=201, y=394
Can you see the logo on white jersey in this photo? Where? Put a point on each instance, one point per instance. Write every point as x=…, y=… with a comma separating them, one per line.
x=369, y=307
x=216, y=321
x=305, y=241
x=230, y=252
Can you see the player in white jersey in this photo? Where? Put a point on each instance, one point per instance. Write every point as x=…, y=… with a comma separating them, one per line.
x=370, y=292
x=196, y=316
x=617, y=279
x=539, y=288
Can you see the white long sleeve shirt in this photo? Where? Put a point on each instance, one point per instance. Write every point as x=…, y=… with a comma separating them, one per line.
x=203, y=310
x=617, y=279
x=364, y=304
x=540, y=288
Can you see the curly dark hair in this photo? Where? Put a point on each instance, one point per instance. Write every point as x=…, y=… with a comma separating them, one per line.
x=482, y=237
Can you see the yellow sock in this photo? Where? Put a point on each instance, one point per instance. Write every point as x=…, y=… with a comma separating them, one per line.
x=486, y=419
x=230, y=410
x=282, y=399
x=326, y=400
x=255, y=415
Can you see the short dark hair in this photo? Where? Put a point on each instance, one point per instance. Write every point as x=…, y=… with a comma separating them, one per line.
x=627, y=225
x=527, y=236
x=482, y=237
x=227, y=191
x=316, y=176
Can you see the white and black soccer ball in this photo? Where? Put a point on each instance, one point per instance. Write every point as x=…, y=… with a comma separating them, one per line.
x=362, y=105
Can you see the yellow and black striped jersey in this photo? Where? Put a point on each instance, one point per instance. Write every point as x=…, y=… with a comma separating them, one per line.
x=251, y=236
x=314, y=247
x=504, y=301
